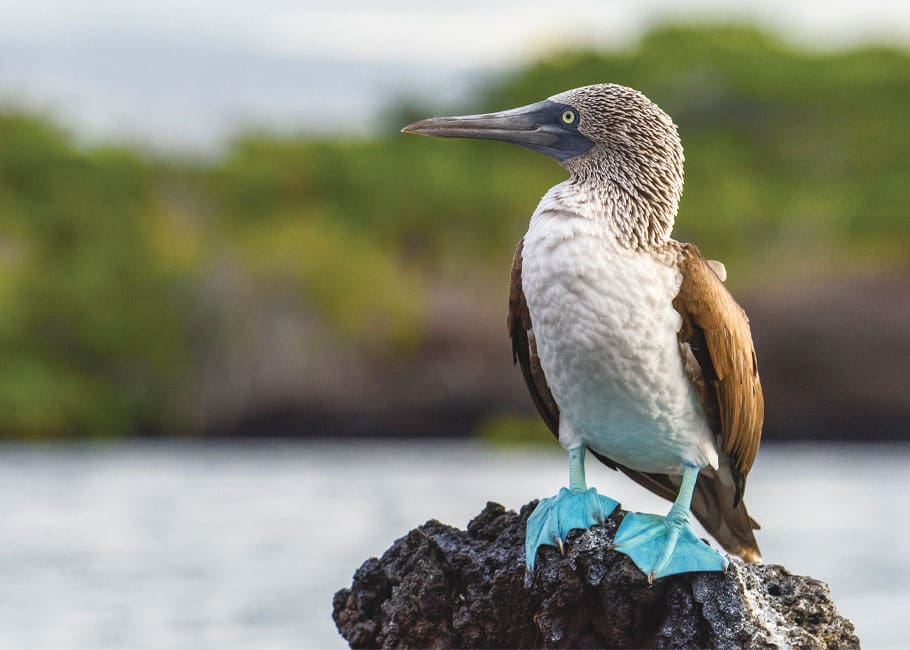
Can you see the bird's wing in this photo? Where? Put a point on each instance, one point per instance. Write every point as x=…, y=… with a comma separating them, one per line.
x=719, y=358
x=715, y=335
x=524, y=348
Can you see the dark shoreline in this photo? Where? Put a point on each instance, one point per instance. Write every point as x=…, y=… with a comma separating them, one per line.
x=833, y=359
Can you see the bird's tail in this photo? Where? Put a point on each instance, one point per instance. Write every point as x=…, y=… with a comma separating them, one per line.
x=731, y=526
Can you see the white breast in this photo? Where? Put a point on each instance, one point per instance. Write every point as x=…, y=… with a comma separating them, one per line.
x=606, y=334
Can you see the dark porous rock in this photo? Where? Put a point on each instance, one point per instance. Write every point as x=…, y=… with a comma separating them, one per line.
x=440, y=587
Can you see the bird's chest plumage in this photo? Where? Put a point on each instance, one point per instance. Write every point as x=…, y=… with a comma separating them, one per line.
x=606, y=334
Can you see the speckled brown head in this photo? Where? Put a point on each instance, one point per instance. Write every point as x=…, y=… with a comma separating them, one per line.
x=608, y=136
x=636, y=145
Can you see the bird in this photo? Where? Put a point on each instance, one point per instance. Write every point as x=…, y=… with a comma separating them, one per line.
x=629, y=343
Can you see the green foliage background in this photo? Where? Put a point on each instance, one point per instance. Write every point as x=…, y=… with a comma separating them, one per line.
x=796, y=162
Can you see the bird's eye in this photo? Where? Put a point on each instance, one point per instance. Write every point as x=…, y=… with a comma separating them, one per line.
x=568, y=117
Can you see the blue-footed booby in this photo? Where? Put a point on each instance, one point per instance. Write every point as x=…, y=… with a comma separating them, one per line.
x=629, y=343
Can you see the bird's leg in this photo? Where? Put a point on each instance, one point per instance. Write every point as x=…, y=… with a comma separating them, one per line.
x=577, y=470
x=574, y=507
x=663, y=546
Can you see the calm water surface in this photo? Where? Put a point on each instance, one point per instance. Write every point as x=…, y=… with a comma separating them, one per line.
x=241, y=546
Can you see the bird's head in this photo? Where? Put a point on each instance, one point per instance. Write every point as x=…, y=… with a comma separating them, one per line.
x=605, y=134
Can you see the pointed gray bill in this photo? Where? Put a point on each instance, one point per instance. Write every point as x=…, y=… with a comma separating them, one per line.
x=537, y=126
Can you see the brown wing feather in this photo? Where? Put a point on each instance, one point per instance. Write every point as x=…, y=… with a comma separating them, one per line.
x=719, y=357
x=524, y=349
x=716, y=330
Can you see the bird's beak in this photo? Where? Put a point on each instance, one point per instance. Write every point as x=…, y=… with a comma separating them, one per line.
x=536, y=126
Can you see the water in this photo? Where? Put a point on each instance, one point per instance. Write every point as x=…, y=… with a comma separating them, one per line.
x=178, y=545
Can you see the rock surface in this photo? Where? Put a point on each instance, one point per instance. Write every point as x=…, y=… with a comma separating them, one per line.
x=440, y=587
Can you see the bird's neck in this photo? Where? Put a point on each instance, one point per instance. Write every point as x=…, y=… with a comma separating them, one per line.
x=638, y=220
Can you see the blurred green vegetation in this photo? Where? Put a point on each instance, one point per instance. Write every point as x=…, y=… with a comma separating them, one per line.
x=796, y=162
x=510, y=430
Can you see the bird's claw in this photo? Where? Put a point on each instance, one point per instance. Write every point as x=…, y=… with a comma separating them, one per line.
x=661, y=548
x=555, y=516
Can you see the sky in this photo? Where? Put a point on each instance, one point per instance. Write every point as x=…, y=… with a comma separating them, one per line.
x=186, y=75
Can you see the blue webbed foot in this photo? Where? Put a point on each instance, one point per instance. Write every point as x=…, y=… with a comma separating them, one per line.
x=664, y=546
x=555, y=516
